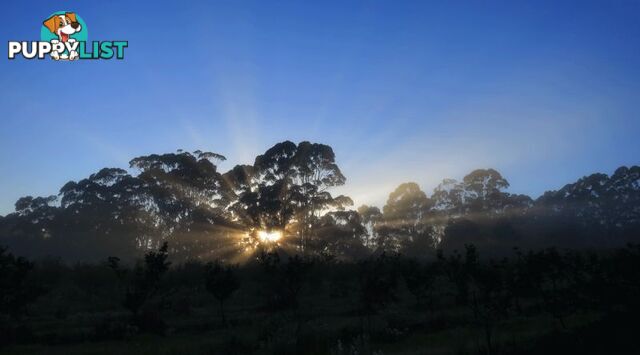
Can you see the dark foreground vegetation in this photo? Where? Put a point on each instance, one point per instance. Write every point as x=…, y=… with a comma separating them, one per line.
x=536, y=302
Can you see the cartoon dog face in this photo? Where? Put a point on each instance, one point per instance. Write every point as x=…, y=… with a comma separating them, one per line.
x=63, y=25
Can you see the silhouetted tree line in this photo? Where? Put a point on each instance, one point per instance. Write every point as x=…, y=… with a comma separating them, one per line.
x=182, y=198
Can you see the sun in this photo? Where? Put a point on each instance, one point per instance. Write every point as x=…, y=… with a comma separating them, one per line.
x=269, y=236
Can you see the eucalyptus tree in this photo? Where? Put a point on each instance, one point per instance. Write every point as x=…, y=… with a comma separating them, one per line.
x=178, y=196
x=341, y=235
x=189, y=199
x=29, y=229
x=405, y=220
x=287, y=189
x=371, y=219
x=603, y=210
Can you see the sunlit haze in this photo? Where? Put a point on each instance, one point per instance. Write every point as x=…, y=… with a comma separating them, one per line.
x=269, y=236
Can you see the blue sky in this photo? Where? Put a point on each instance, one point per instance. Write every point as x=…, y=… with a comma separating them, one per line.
x=543, y=91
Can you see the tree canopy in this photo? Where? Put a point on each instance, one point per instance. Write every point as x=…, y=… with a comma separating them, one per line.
x=205, y=214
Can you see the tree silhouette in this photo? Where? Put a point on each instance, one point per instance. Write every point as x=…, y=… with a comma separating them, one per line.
x=288, y=185
x=419, y=279
x=490, y=299
x=143, y=283
x=221, y=281
x=182, y=198
x=341, y=235
x=17, y=293
x=284, y=280
x=371, y=219
x=188, y=198
x=378, y=282
x=405, y=221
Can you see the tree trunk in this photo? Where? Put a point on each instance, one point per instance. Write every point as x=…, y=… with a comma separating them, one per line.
x=487, y=334
x=224, y=319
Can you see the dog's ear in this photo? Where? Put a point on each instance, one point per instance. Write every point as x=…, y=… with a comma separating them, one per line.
x=71, y=16
x=50, y=23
